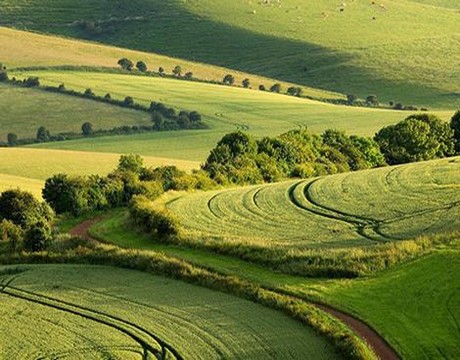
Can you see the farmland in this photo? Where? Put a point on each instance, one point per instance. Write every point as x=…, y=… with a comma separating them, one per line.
x=223, y=108
x=23, y=112
x=301, y=43
x=359, y=208
x=78, y=302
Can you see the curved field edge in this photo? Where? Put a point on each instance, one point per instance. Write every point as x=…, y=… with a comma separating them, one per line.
x=27, y=49
x=345, y=341
x=112, y=228
x=154, y=310
x=360, y=208
x=415, y=305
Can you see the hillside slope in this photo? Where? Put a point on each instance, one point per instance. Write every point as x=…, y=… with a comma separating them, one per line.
x=360, y=47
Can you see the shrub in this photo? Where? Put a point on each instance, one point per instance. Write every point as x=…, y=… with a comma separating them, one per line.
x=126, y=64
x=262, y=87
x=351, y=99
x=276, y=88
x=141, y=66
x=128, y=101
x=132, y=163
x=229, y=79
x=455, y=126
x=87, y=129
x=294, y=91
x=37, y=237
x=3, y=75
x=32, y=81
x=188, y=75
x=89, y=93
x=11, y=232
x=177, y=71
x=11, y=138
x=43, y=134
x=372, y=100
x=246, y=83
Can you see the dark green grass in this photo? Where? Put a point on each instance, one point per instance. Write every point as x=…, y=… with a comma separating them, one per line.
x=310, y=43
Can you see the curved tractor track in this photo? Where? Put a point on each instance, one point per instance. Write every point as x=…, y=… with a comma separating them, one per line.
x=379, y=345
x=150, y=343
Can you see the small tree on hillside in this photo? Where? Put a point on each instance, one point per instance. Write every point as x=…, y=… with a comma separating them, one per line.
x=177, y=71
x=188, y=75
x=43, y=134
x=161, y=71
x=12, y=138
x=128, y=101
x=87, y=129
x=351, y=99
x=262, y=87
x=246, y=83
x=276, y=88
x=131, y=162
x=372, y=100
x=294, y=91
x=141, y=66
x=229, y=79
x=455, y=126
x=126, y=64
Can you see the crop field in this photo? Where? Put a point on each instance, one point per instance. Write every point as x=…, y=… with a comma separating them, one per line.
x=8, y=182
x=27, y=49
x=415, y=306
x=23, y=111
x=224, y=109
x=361, y=47
x=358, y=208
x=91, y=312
x=42, y=163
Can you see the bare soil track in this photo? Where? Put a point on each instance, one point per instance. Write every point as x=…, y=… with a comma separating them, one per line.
x=378, y=344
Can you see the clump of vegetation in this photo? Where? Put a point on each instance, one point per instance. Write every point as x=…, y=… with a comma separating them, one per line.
x=418, y=137
x=23, y=219
x=239, y=158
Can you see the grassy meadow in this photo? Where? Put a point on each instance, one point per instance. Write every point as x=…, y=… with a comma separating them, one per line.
x=351, y=209
x=362, y=47
x=25, y=110
x=224, y=109
x=78, y=301
x=42, y=163
x=29, y=49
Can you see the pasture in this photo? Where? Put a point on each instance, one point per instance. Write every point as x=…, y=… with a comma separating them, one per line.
x=95, y=314
x=359, y=48
x=361, y=208
x=24, y=110
x=224, y=109
x=39, y=164
x=415, y=306
x=28, y=49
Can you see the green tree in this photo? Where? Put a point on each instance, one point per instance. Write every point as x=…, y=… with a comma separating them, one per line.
x=128, y=101
x=229, y=79
x=418, y=137
x=87, y=129
x=11, y=138
x=351, y=99
x=43, y=134
x=161, y=70
x=455, y=126
x=372, y=100
x=37, y=236
x=177, y=71
x=141, y=66
x=188, y=75
x=126, y=64
x=246, y=83
x=276, y=88
x=294, y=91
x=131, y=163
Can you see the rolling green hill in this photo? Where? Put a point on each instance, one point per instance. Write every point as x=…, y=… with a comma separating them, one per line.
x=24, y=110
x=92, y=313
x=361, y=47
x=224, y=109
x=361, y=208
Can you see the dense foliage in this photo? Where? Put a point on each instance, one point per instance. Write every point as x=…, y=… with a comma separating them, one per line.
x=22, y=217
x=239, y=158
x=418, y=137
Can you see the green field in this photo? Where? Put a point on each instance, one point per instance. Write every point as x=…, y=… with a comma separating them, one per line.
x=359, y=208
x=25, y=110
x=416, y=306
x=224, y=109
x=27, y=49
x=368, y=48
x=91, y=312
x=39, y=164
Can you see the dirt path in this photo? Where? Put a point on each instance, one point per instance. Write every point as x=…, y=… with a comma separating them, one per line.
x=81, y=229
x=380, y=347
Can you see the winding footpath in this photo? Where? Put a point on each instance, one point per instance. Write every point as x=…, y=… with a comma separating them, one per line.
x=379, y=345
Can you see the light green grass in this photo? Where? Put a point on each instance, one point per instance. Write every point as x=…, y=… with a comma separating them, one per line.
x=415, y=306
x=358, y=208
x=9, y=182
x=224, y=109
x=311, y=43
x=25, y=110
x=42, y=163
x=26, y=49
x=198, y=323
